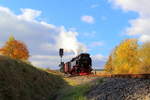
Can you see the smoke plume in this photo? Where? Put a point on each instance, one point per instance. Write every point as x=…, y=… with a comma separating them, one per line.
x=68, y=41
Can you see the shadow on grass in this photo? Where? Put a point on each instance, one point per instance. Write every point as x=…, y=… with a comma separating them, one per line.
x=77, y=92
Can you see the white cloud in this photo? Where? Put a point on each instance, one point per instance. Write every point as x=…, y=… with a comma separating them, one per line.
x=49, y=61
x=41, y=37
x=140, y=6
x=100, y=57
x=47, y=46
x=145, y=38
x=141, y=25
x=87, y=19
x=70, y=42
x=98, y=61
x=29, y=14
x=52, y=62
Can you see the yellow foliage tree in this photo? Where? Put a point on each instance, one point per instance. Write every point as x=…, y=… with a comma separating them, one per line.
x=109, y=66
x=15, y=49
x=144, y=56
x=125, y=56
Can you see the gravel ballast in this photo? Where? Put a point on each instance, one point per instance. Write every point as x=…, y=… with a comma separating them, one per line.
x=121, y=89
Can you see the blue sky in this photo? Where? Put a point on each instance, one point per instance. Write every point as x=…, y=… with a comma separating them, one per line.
x=68, y=13
x=100, y=24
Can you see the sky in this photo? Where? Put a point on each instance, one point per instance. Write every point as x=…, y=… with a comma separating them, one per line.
x=93, y=26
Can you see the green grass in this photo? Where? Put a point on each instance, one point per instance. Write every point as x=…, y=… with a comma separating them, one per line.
x=78, y=92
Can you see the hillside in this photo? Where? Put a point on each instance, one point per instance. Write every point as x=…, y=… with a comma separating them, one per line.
x=21, y=81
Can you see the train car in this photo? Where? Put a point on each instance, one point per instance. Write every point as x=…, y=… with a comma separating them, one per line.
x=80, y=65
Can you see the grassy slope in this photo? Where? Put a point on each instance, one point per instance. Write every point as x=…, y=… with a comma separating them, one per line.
x=21, y=81
x=75, y=93
x=79, y=86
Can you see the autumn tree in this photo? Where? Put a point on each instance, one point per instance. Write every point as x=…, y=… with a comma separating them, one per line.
x=15, y=49
x=11, y=38
x=109, y=66
x=125, y=57
x=144, y=56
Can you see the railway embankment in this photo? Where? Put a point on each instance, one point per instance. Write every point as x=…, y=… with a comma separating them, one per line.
x=22, y=81
x=121, y=89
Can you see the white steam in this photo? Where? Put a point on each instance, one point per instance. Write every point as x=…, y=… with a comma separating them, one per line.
x=68, y=41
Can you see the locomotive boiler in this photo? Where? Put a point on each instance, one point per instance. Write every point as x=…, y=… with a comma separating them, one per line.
x=79, y=65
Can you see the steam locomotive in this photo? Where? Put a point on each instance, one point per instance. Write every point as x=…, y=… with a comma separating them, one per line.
x=79, y=65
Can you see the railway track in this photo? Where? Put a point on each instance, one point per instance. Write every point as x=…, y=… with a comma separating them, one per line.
x=142, y=76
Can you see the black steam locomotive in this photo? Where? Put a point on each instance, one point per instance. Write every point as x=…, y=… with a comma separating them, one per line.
x=80, y=65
